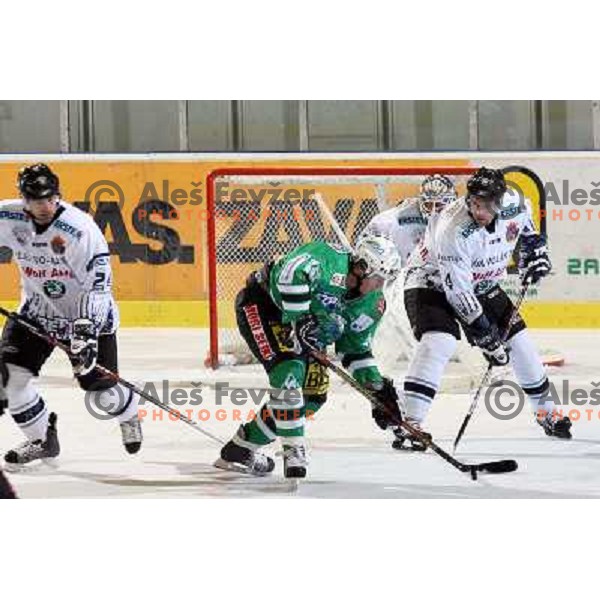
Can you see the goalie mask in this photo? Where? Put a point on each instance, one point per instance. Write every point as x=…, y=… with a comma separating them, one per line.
x=377, y=256
x=437, y=191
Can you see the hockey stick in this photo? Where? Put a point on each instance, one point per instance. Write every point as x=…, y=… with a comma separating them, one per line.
x=499, y=466
x=488, y=371
x=107, y=373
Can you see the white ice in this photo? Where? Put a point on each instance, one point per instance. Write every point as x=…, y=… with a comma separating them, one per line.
x=350, y=457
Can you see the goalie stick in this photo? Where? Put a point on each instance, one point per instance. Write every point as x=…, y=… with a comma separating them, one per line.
x=488, y=371
x=498, y=466
x=107, y=373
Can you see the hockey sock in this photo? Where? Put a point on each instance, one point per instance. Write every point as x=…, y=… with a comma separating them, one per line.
x=530, y=373
x=116, y=401
x=26, y=406
x=425, y=372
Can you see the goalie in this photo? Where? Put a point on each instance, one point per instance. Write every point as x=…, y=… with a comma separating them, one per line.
x=405, y=224
x=453, y=281
x=317, y=295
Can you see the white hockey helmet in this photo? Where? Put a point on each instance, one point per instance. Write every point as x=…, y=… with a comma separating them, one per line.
x=378, y=255
x=437, y=191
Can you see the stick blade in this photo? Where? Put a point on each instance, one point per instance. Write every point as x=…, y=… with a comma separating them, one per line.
x=499, y=466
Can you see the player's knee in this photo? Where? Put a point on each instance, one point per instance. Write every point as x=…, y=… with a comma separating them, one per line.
x=93, y=382
x=17, y=379
x=437, y=345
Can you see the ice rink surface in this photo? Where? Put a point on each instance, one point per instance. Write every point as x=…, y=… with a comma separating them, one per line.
x=350, y=457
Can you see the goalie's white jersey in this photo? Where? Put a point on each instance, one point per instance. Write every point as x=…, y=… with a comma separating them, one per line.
x=464, y=260
x=65, y=268
x=404, y=224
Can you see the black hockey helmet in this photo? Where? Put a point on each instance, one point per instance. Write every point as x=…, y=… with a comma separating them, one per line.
x=38, y=182
x=487, y=184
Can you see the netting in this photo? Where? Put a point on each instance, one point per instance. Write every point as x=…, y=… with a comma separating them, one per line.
x=259, y=218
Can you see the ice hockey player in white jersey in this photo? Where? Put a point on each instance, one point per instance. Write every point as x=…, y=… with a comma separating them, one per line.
x=405, y=224
x=66, y=282
x=452, y=283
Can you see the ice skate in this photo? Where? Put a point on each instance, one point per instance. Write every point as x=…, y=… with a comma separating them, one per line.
x=295, y=460
x=408, y=442
x=556, y=427
x=237, y=455
x=35, y=450
x=131, y=433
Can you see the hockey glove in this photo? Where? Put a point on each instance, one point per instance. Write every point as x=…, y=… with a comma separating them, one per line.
x=386, y=413
x=316, y=334
x=534, y=262
x=485, y=335
x=84, y=347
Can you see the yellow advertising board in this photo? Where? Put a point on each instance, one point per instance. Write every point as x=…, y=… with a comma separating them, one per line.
x=153, y=212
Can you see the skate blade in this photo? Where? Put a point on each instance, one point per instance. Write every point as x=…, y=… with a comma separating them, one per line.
x=293, y=484
x=410, y=450
x=43, y=464
x=237, y=468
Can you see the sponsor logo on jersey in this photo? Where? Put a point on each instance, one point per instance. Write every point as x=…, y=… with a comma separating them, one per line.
x=54, y=289
x=258, y=332
x=69, y=229
x=512, y=231
x=412, y=220
x=362, y=323
x=58, y=245
x=40, y=260
x=9, y=215
x=510, y=212
x=22, y=235
x=53, y=273
x=338, y=280
x=329, y=301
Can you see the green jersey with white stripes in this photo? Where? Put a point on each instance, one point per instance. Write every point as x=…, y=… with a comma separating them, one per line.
x=311, y=279
x=361, y=316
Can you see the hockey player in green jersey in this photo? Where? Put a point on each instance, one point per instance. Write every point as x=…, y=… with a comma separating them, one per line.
x=317, y=295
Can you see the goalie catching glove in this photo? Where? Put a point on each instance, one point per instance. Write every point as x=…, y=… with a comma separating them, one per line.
x=386, y=413
x=84, y=347
x=534, y=262
x=485, y=335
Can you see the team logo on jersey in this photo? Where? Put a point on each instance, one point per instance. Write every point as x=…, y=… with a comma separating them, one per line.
x=338, y=280
x=329, y=301
x=512, y=231
x=337, y=247
x=362, y=323
x=471, y=228
x=22, y=235
x=54, y=289
x=58, y=245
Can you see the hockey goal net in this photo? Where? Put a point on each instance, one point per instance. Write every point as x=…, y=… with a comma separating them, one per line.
x=258, y=215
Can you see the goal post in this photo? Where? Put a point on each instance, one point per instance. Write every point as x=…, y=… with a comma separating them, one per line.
x=257, y=214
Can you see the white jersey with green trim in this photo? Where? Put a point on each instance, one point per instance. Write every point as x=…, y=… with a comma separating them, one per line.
x=404, y=224
x=464, y=260
x=64, y=267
